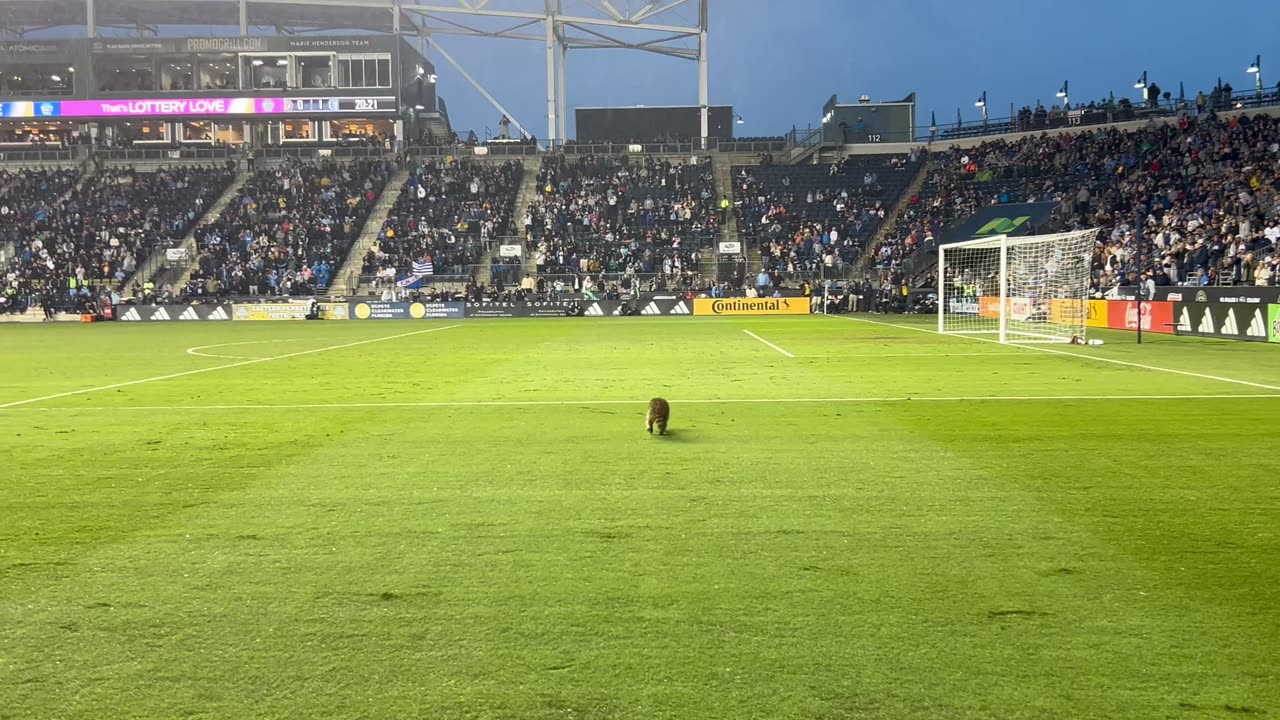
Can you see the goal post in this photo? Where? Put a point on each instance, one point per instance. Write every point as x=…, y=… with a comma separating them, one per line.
x=1017, y=289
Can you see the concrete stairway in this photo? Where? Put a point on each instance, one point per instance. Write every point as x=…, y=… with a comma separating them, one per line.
x=180, y=273
x=347, y=280
x=890, y=224
x=722, y=167
x=524, y=198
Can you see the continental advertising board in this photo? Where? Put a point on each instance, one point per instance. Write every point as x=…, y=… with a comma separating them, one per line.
x=751, y=306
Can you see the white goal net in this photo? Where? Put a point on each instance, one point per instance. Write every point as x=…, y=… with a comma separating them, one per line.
x=1020, y=289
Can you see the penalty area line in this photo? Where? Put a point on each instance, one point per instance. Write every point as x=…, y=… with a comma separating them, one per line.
x=712, y=401
x=1051, y=351
x=766, y=342
x=227, y=366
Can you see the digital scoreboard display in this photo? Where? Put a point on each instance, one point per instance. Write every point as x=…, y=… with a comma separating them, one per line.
x=196, y=107
x=346, y=105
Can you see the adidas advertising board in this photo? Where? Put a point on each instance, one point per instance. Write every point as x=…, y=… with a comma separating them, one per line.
x=1241, y=294
x=177, y=313
x=669, y=306
x=1229, y=321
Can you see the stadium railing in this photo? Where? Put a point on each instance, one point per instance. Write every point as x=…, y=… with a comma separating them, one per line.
x=334, y=151
x=573, y=148
x=161, y=154
x=30, y=156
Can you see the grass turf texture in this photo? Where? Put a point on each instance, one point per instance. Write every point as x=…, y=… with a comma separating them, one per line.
x=1086, y=558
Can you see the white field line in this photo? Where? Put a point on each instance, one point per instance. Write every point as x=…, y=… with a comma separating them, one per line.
x=640, y=403
x=227, y=366
x=766, y=342
x=1012, y=352
x=1037, y=348
x=196, y=350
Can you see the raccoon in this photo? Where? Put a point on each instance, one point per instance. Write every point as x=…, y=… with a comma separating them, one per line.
x=659, y=414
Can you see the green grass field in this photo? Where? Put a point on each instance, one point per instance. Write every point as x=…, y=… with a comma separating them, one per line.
x=467, y=520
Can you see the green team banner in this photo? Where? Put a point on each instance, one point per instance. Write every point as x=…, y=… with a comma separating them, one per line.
x=1273, y=323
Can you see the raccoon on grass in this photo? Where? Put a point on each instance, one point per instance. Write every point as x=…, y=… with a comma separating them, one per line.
x=658, y=415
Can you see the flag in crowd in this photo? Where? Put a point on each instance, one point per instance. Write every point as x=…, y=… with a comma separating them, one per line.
x=423, y=267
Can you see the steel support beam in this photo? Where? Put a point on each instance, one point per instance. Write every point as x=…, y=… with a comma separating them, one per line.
x=480, y=88
x=703, y=91
x=560, y=95
x=550, y=23
x=90, y=18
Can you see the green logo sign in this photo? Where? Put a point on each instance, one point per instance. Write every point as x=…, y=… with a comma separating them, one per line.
x=1273, y=323
x=1001, y=226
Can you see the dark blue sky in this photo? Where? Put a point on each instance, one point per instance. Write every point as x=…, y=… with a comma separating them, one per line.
x=778, y=61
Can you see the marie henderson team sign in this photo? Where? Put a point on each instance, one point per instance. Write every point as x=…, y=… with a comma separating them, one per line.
x=751, y=306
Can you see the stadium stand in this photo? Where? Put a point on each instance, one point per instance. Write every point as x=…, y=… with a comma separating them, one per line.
x=94, y=233
x=448, y=215
x=1206, y=188
x=619, y=219
x=287, y=229
x=808, y=221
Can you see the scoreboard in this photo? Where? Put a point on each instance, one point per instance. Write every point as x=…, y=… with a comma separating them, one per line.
x=175, y=107
x=868, y=122
x=340, y=105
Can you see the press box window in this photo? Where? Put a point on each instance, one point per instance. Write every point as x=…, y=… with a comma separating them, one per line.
x=124, y=73
x=177, y=73
x=315, y=71
x=36, y=80
x=217, y=71
x=364, y=71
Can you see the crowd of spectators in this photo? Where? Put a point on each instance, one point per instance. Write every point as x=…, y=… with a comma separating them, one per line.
x=813, y=221
x=1205, y=190
x=603, y=217
x=448, y=214
x=75, y=235
x=288, y=229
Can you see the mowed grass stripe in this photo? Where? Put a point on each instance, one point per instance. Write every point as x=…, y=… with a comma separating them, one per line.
x=638, y=403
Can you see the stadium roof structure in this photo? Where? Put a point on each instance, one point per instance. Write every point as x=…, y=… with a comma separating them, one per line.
x=655, y=26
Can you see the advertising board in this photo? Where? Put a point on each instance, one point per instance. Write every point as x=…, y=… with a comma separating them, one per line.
x=405, y=310
x=1228, y=321
x=271, y=311
x=1157, y=317
x=751, y=306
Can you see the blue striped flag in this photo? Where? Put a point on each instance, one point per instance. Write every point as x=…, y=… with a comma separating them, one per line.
x=423, y=267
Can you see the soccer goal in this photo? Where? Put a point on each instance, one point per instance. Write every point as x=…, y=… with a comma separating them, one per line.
x=1020, y=289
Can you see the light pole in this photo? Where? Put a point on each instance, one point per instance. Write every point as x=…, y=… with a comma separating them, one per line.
x=1142, y=86
x=982, y=103
x=1256, y=71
